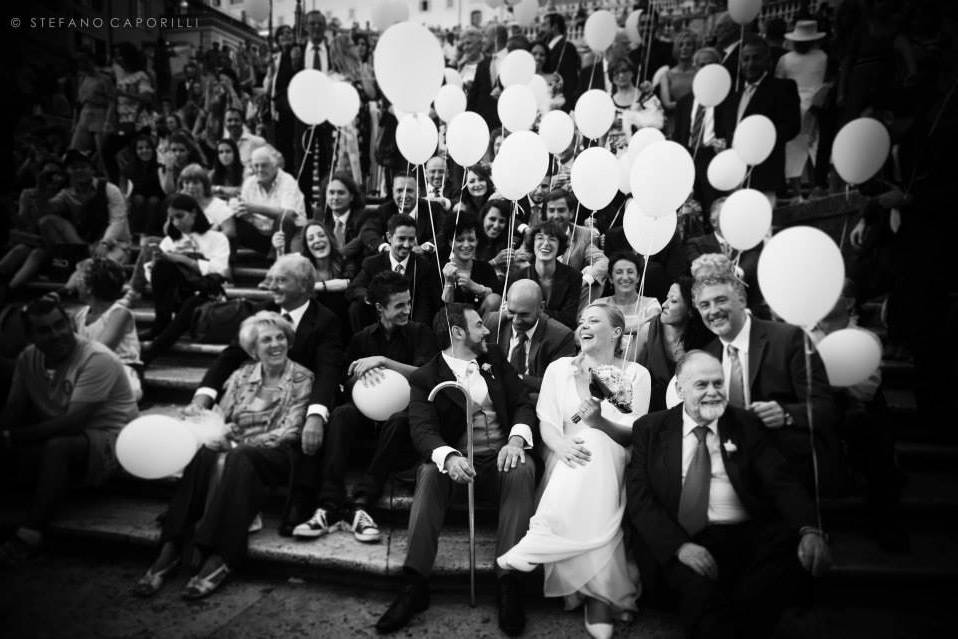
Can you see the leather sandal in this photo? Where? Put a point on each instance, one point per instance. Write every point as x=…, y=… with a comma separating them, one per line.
x=150, y=583
x=200, y=587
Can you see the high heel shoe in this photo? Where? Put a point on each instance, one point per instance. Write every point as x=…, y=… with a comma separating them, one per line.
x=200, y=587
x=602, y=630
x=150, y=583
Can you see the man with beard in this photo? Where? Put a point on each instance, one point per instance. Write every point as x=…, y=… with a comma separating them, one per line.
x=69, y=400
x=502, y=433
x=718, y=511
x=393, y=343
x=764, y=367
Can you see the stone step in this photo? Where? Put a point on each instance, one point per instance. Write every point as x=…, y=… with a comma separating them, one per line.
x=925, y=456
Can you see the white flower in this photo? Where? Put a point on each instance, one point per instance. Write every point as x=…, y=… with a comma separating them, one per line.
x=729, y=446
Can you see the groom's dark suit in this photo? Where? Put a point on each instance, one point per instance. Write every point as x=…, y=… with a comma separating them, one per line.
x=442, y=423
x=758, y=572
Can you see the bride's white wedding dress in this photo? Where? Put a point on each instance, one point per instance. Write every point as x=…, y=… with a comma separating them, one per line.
x=576, y=532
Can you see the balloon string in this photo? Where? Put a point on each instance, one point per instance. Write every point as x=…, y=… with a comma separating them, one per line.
x=505, y=284
x=307, y=150
x=648, y=43
x=841, y=241
x=748, y=177
x=435, y=240
x=615, y=218
x=638, y=300
x=402, y=200
x=738, y=52
x=811, y=429
x=332, y=164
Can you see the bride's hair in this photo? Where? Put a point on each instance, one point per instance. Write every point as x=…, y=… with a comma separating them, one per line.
x=616, y=319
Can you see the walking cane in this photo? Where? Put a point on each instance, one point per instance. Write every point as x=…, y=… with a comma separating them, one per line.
x=471, y=488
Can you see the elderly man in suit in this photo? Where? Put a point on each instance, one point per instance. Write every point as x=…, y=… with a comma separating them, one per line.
x=715, y=506
x=316, y=346
x=529, y=338
x=502, y=434
x=760, y=93
x=404, y=200
x=764, y=366
x=563, y=59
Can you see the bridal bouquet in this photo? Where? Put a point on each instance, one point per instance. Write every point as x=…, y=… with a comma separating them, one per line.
x=610, y=383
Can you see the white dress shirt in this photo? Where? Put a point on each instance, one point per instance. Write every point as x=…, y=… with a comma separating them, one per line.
x=467, y=372
x=746, y=97
x=724, y=505
x=393, y=263
x=323, y=56
x=741, y=343
x=514, y=341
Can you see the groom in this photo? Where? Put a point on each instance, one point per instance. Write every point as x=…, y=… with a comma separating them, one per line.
x=717, y=509
x=502, y=433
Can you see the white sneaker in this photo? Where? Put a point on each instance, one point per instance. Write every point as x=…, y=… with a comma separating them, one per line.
x=364, y=527
x=257, y=524
x=317, y=526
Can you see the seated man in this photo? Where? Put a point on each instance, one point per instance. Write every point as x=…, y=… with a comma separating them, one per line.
x=403, y=201
x=270, y=201
x=245, y=141
x=529, y=338
x=439, y=190
x=393, y=343
x=501, y=435
x=419, y=271
x=69, y=400
x=718, y=510
x=317, y=346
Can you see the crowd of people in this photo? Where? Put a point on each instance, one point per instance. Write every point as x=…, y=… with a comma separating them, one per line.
x=618, y=494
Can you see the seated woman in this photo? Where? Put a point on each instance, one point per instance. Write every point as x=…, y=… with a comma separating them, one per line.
x=105, y=318
x=561, y=285
x=333, y=273
x=226, y=175
x=140, y=180
x=576, y=532
x=183, y=152
x=195, y=181
x=625, y=274
x=264, y=406
x=669, y=336
x=478, y=190
x=494, y=236
x=466, y=279
x=185, y=269
x=341, y=209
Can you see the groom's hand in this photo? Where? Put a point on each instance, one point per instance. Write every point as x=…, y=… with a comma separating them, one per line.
x=699, y=559
x=459, y=469
x=510, y=456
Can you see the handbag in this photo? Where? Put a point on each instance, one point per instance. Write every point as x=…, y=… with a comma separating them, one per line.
x=218, y=321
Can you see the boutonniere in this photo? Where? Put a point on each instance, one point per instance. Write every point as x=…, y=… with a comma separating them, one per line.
x=729, y=446
x=487, y=369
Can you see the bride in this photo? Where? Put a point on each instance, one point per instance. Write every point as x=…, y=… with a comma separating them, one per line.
x=576, y=532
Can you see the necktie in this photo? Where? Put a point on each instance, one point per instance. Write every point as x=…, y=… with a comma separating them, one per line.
x=694, y=502
x=340, y=233
x=400, y=269
x=289, y=318
x=695, y=135
x=736, y=386
x=518, y=358
x=317, y=61
x=746, y=97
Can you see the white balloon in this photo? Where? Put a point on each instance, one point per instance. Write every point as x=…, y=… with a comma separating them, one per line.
x=860, y=150
x=343, y=103
x=518, y=68
x=557, y=130
x=711, y=85
x=599, y=30
x=646, y=234
x=801, y=274
x=594, y=113
x=383, y=399
x=520, y=165
x=662, y=177
x=642, y=138
x=155, y=446
x=595, y=177
x=754, y=139
x=525, y=12
x=417, y=137
x=672, y=398
x=745, y=218
x=308, y=94
x=850, y=356
x=726, y=170
x=467, y=138
x=625, y=170
x=451, y=76
x=257, y=10
x=632, y=27
x=389, y=12
x=744, y=11
x=517, y=108
x=450, y=102
x=409, y=64
x=540, y=89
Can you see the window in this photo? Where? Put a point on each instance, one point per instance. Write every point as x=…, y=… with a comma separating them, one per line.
x=352, y=13
x=450, y=3
x=424, y=5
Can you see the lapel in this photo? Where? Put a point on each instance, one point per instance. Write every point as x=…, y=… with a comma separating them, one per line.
x=670, y=447
x=505, y=336
x=444, y=374
x=537, y=338
x=757, y=345
x=728, y=432
x=497, y=394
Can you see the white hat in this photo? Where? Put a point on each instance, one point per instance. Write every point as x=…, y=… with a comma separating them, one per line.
x=805, y=31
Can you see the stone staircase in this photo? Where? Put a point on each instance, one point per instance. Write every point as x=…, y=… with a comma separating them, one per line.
x=126, y=514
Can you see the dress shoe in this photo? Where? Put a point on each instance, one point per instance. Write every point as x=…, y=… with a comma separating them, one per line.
x=150, y=583
x=599, y=630
x=201, y=587
x=512, y=617
x=413, y=598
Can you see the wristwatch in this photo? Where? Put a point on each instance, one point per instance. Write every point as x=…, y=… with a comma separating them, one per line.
x=789, y=420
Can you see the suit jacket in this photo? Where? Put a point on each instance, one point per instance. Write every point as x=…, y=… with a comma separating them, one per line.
x=354, y=249
x=777, y=99
x=661, y=55
x=443, y=422
x=480, y=99
x=757, y=472
x=563, y=302
x=776, y=372
x=372, y=233
x=564, y=60
x=423, y=284
x=317, y=345
x=550, y=341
